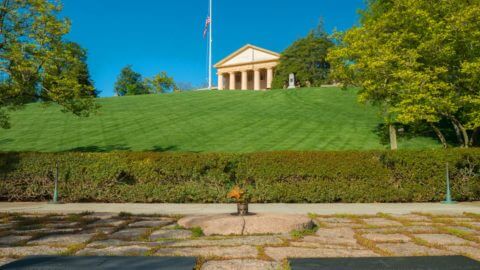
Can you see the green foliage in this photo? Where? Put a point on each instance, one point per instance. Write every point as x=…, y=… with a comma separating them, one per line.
x=130, y=83
x=197, y=232
x=83, y=74
x=209, y=121
x=419, y=59
x=160, y=83
x=36, y=63
x=297, y=234
x=287, y=177
x=306, y=58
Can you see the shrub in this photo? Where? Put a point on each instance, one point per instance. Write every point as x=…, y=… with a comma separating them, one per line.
x=288, y=177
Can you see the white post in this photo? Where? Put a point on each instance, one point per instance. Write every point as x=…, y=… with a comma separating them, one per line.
x=210, y=48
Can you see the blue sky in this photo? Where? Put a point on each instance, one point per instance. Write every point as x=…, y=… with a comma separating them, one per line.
x=164, y=35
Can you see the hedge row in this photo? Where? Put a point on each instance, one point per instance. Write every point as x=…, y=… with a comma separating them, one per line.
x=313, y=177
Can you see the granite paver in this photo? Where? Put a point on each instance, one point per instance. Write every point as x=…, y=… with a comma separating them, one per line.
x=411, y=249
x=30, y=251
x=62, y=239
x=130, y=234
x=135, y=250
x=213, y=251
x=241, y=265
x=380, y=237
x=170, y=234
x=443, y=239
x=280, y=253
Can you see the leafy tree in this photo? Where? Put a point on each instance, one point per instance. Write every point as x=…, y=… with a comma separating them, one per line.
x=130, y=83
x=84, y=77
x=160, y=83
x=306, y=58
x=31, y=52
x=419, y=60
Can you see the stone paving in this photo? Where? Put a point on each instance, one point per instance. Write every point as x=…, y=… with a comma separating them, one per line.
x=414, y=234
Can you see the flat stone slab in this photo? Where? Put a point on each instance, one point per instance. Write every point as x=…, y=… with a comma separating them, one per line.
x=30, y=250
x=280, y=253
x=411, y=249
x=115, y=251
x=443, y=239
x=48, y=231
x=109, y=243
x=170, y=234
x=152, y=223
x=380, y=237
x=62, y=239
x=335, y=220
x=325, y=246
x=13, y=239
x=417, y=263
x=241, y=265
x=130, y=234
x=103, y=263
x=381, y=222
x=62, y=225
x=333, y=236
x=106, y=222
x=412, y=217
x=227, y=224
x=234, y=241
x=96, y=230
x=100, y=215
x=214, y=251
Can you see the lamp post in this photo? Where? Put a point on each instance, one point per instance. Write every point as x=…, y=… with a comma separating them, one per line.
x=448, y=198
x=55, y=190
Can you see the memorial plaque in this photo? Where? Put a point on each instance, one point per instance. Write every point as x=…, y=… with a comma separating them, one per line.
x=102, y=263
x=388, y=263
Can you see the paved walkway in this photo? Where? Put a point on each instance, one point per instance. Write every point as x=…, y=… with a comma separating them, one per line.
x=194, y=209
x=97, y=234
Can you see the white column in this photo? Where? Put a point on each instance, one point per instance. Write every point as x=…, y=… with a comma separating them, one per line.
x=244, y=80
x=232, y=81
x=220, y=82
x=256, y=80
x=269, y=78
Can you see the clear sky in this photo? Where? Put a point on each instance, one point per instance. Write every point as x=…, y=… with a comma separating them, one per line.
x=166, y=35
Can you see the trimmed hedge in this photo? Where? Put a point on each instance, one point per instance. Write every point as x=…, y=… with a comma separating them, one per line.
x=313, y=177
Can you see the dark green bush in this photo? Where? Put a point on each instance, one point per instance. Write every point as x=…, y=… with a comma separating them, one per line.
x=313, y=177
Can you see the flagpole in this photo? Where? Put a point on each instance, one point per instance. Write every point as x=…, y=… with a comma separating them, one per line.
x=210, y=49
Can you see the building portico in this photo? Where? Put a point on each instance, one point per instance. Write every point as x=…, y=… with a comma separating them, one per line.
x=250, y=68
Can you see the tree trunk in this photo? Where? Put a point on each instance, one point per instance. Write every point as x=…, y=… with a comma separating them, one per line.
x=439, y=135
x=463, y=131
x=459, y=135
x=393, y=137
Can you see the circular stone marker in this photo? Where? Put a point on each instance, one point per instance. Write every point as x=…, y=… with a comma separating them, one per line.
x=227, y=224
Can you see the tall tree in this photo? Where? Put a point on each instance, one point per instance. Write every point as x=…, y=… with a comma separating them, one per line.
x=31, y=50
x=160, y=83
x=130, y=83
x=417, y=59
x=83, y=77
x=306, y=58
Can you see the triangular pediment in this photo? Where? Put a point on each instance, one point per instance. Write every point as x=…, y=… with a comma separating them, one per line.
x=248, y=54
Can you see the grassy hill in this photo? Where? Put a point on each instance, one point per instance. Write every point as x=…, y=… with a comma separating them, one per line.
x=220, y=121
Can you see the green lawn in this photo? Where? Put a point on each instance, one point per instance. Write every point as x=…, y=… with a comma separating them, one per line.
x=220, y=121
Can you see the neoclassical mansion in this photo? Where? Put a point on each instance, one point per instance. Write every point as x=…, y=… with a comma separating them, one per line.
x=249, y=68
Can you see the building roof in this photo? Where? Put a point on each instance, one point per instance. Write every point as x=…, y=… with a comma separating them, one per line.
x=239, y=57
